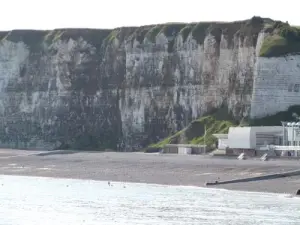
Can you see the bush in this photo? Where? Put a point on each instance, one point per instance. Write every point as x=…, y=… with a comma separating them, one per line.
x=283, y=40
x=218, y=122
x=199, y=32
x=275, y=120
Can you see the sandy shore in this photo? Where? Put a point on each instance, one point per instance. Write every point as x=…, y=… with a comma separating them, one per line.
x=151, y=168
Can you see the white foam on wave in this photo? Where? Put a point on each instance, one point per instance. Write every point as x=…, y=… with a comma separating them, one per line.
x=40, y=200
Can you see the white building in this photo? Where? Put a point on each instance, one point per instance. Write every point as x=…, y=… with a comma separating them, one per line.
x=282, y=140
x=250, y=137
x=223, y=141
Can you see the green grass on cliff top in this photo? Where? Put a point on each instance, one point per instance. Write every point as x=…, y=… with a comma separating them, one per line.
x=283, y=40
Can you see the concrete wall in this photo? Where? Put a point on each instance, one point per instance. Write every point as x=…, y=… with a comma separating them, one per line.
x=290, y=153
x=276, y=85
x=264, y=135
x=239, y=137
x=184, y=151
x=174, y=149
x=238, y=151
x=260, y=153
x=263, y=139
x=170, y=149
x=199, y=150
x=223, y=143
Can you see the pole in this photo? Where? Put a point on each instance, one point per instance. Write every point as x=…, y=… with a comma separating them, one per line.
x=205, y=135
x=295, y=141
x=283, y=136
x=292, y=135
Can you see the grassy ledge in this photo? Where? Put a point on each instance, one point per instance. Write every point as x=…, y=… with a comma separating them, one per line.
x=284, y=39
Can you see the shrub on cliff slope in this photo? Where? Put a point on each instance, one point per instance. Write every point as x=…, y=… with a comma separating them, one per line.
x=218, y=122
x=283, y=40
x=195, y=132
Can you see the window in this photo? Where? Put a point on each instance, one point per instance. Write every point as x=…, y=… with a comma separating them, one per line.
x=296, y=88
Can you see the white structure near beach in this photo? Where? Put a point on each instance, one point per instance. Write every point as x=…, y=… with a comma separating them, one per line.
x=282, y=140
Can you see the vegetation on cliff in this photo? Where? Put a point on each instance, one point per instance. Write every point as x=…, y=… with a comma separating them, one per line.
x=198, y=31
x=275, y=120
x=282, y=39
x=217, y=121
x=36, y=39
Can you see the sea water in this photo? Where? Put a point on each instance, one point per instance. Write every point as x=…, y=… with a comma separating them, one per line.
x=43, y=201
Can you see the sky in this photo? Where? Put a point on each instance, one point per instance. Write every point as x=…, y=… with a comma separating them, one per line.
x=50, y=14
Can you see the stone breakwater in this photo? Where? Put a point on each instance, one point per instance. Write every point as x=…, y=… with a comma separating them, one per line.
x=257, y=178
x=126, y=88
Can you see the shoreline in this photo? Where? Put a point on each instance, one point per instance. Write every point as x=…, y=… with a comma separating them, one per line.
x=178, y=170
x=122, y=183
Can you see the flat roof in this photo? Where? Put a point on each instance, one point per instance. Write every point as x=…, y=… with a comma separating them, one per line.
x=221, y=136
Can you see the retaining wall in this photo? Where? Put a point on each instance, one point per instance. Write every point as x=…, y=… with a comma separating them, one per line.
x=195, y=149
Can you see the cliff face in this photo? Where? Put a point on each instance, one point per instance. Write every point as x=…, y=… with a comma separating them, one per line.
x=128, y=87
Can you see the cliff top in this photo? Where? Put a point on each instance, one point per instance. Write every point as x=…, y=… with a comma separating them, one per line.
x=281, y=38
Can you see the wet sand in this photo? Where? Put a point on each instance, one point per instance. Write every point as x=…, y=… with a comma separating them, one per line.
x=151, y=168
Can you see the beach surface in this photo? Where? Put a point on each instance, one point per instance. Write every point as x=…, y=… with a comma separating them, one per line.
x=193, y=170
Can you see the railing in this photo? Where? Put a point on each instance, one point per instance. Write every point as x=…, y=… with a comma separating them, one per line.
x=185, y=145
x=281, y=148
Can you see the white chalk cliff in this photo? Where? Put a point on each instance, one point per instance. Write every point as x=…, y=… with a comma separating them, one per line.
x=128, y=87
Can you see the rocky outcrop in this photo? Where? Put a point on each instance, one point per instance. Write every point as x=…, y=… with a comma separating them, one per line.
x=128, y=87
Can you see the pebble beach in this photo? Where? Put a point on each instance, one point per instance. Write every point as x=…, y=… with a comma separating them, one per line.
x=186, y=170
